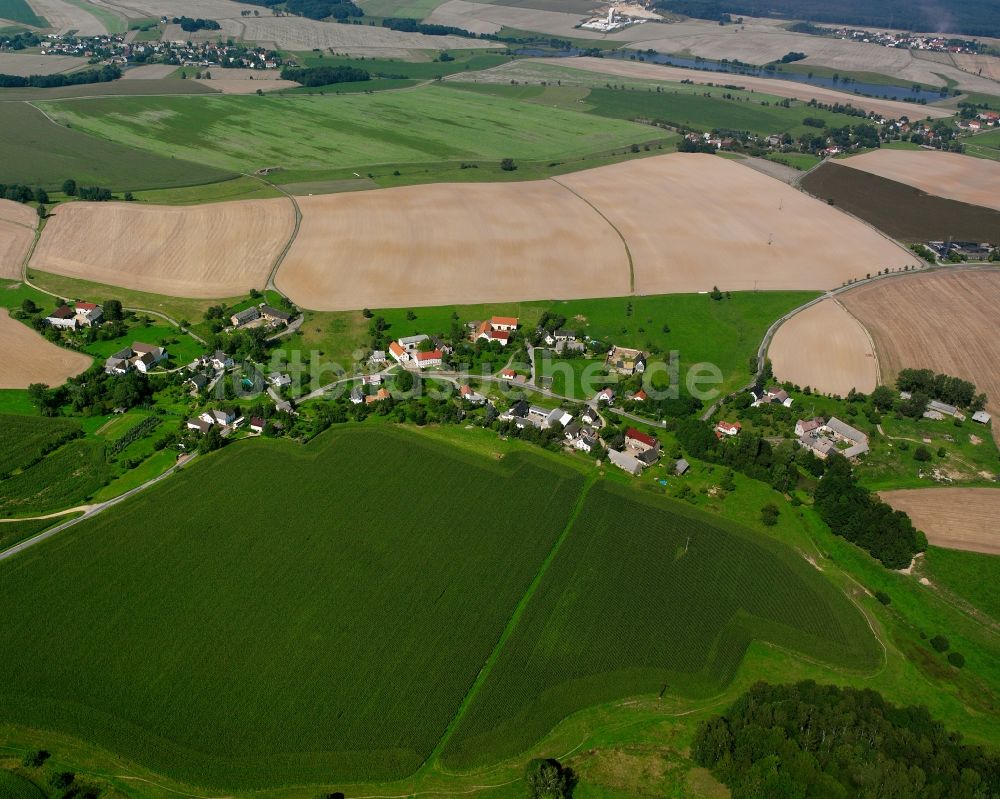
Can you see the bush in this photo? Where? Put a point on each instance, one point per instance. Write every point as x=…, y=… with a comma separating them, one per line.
x=883, y=597
x=921, y=453
x=508, y=165
x=956, y=659
x=549, y=779
x=769, y=514
x=940, y=643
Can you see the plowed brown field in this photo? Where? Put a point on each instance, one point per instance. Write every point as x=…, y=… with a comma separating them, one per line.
x=951, y=175
x=451, y=243
x=216, y=250
x=957, y=518
x=696, y=221
x=826, y=348
x=948, y=321
x=17, y=224
x=26, y=357
x=690, y=222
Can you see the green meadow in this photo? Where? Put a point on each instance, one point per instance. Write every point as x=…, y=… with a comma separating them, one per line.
x=40, y=153
x=20, y=11
x=232, y=133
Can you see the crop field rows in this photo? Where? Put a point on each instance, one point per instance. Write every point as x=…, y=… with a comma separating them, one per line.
x=357, y=629
x=24, y=440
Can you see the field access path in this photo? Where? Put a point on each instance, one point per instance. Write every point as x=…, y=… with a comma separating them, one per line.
x=92, y=510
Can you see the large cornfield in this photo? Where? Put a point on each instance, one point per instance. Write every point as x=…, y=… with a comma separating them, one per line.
x=648, y=596
x=280, y=614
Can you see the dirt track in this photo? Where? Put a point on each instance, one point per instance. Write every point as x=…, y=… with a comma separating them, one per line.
x=17, y=225
x=26, y=357
x=957, y=518
x=205, y=251
x=945, y=321
x=951, y=175
x=451, y=243
x=778, y=88
x=826, y=348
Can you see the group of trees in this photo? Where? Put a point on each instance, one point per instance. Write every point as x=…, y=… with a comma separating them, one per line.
x=974, y=17
x=103, y=74
x=858, y=515
x=809, y=740
x=20, y=193
x=314, y=9
x=415, y=26
x=942, y=387
x=324, y=76
x=92, y=392
x=191, y=25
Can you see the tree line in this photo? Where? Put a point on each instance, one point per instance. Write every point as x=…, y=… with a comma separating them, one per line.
x=809, y=740
x=974, y=17
x=104, y=74
x=945, y=388
x=324, y=76
x=315, y=9
x=191, y=25
x=408, y=25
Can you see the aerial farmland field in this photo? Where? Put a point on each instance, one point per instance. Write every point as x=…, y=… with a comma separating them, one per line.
x=26, y=357
x=894, y=311
x=204, y=251
x=352, y=130
x=39, y=153
x=17, y=225
x=266, y=635
x=848, y=359
x=630, y=567
x=956, y=518
x=950, y=175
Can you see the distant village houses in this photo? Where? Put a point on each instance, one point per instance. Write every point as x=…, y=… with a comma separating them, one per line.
x=80, y=314
x=141, y=357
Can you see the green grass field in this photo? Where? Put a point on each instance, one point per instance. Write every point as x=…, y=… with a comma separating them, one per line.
x=336, y=594
x=412, y=9
x=12, y=532
x=646, y=597
x=112, y=22
x=984, y=145
x=970, y=575
x=462, y=61
x=725, y=333
x=324, y=133
x=20, y=11
x=40, y=153
x=703, y=110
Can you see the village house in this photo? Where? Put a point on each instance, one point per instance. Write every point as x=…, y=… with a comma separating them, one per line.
x=470, y=395
x=220, y=361
x=606, y=394
x=378, y=396
x=398, y=353
x=727, y=429
x=200, y=425
x=279, y=379
x=835, y=436
x=274, y=316
x=982, y=417
x=644, y=448
x=498, y=328
x=371, y=380
x=776, y=396
x=803, y=426
x=377, y=357
x=681, y=467
x=357, y=395
x=219, y=417
x=519, y=410
x=82, y=314
x=626, y=361
x=424, y=360
x=508, y=374
x=142, y=357
x=585, y=443
x=625, y=462
x=247, y=315
x=639, y=396
x=412, y=343
x=198, y=381
x=257, y=424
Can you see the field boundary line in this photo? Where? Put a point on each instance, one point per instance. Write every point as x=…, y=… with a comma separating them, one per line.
x=628, y=252
x=270, y=284
x=871, y=340
x=512, y=623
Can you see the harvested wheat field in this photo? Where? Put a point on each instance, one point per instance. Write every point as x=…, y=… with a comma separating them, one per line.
x=693, y=221
x=951, y=175
x=200, y=251
x=17, y=229
x=34, y=64
x=451, y=243
x=956, y=518
x=948, y=321
x=640, y=70
x=26, y=357
x=826, y=348
x=247, y=81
